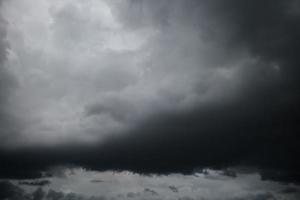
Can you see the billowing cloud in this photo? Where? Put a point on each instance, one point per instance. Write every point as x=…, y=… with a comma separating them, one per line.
x=149, y=86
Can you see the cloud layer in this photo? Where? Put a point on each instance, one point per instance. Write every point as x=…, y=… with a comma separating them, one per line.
x=212, y=185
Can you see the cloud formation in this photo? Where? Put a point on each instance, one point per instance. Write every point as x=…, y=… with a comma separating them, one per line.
x=149, y=86
x=210, y=186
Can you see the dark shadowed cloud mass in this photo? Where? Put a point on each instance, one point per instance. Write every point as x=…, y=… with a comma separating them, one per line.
x=150, y=86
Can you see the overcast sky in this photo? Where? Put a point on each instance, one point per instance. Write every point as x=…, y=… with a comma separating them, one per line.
x=158, y=86
x=87, y=69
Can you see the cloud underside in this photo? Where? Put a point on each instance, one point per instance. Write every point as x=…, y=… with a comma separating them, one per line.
x=189, y=85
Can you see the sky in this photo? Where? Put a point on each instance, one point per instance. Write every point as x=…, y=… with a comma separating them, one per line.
x=149, y=87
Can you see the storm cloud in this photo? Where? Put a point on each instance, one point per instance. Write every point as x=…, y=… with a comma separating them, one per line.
x=150, y=86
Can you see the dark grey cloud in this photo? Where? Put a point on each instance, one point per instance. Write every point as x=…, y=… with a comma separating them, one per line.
x=248, y=115
x=96, y=181
x=173, y=188
x=260, y=124
x=38, y=194
x=132, y=195
x=230, y=173
x=10, y=191
x=262, y=196
x=55, y=195
x=35, y=183
x=289, y=190
x=150, y=191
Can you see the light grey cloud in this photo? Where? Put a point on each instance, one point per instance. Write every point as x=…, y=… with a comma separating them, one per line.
x=8, y=83
x=90, y=51
x=126, y=185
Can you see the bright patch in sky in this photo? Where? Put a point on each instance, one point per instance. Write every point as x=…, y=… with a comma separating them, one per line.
x=211, y=185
